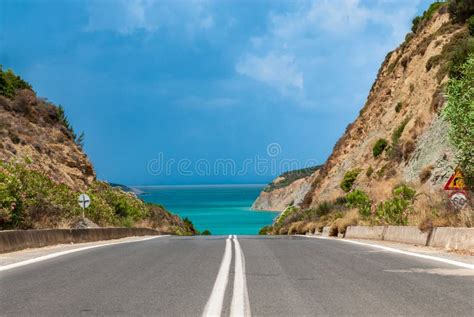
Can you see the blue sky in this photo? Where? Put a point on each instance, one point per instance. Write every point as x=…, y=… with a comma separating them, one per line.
x=165, y=82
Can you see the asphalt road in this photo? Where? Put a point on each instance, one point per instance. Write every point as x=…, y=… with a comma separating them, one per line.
x=250, y=275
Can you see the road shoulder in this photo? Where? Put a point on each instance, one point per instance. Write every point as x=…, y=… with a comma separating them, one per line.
x=12, y=258
x=424, y=250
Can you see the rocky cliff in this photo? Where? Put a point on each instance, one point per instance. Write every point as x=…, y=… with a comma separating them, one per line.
x=33, y=129
x=43, y=169
x=288, y=189
x=402, y=109
x=399, y=137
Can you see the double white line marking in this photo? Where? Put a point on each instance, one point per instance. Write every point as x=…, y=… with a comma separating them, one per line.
x=240, y=299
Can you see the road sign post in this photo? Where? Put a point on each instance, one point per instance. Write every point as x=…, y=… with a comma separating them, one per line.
x=456, y=185
x=456, y=181
x=84, y=202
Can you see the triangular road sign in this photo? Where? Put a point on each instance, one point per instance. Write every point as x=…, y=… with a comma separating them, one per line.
x=455, y=182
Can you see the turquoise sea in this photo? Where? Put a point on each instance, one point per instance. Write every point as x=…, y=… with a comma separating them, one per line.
x=222, y=209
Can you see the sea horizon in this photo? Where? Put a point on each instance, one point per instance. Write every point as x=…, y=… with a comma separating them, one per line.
x=200, y=185
x=220, y=208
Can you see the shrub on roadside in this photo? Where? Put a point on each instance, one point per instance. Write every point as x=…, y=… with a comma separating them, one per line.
x=395, y=211
x=339, y=226
x=360, y=200
x=265, y=230
x=310, y=227
x=30, y=199
x=296, y=227
x=284, y=215
x=322, y=209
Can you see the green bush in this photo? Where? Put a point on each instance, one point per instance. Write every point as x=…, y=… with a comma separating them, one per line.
x=470, y=23
x=360, y=200
x=415, y=23
x=79, y=140
x=399, y=131
x=265, y=230
x=340, y=201
x=459, y=112
x=379, y=147
x=349, y=179
x=452, y=56
x=285, y=213
x=459, y=56
x=461, y=10
x=29, y=199
x=206, y=233
x=322, y=209
x=61, y=115
x=398, y=107
x=396, y=210
x=9, y=83
x=427, y=15
x=404, y=192
x=369, y=171
x=291, y=176
x=395, y=151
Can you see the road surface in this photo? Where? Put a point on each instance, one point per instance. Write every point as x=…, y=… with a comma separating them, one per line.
x=237, y=276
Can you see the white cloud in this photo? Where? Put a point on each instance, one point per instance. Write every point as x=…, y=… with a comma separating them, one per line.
x=274, y=69
x=121, y=16
x=129, y=16
x=200, y=102
x=300, y=44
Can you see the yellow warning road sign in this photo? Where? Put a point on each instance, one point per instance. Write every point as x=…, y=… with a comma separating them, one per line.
x=455, y=182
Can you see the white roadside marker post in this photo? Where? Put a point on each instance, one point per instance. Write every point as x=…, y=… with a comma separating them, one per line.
x=84, y=202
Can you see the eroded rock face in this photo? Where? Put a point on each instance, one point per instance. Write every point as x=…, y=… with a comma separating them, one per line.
x=31, y=131
x=407, y=91
x=279, y=199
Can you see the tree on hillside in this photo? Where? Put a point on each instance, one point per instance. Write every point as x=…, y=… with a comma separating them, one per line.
x=9, y=83
x=461, y=10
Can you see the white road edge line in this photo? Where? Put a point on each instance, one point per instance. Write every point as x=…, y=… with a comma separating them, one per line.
x=214, y=304
x=240, y=306
x=57, y=254
x=418, y=255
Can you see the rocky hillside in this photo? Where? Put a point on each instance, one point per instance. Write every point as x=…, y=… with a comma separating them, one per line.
x=35, y=129
x=401, y=136
x=288, y=189
x=43, y=169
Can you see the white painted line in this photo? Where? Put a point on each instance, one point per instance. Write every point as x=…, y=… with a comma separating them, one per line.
x=214, y=304
x=57, y=254
x=240, y=306
x=418, y=255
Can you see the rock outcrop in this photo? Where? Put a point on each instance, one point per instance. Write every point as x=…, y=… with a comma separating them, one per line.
x=31, y=129
x=403, y=109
